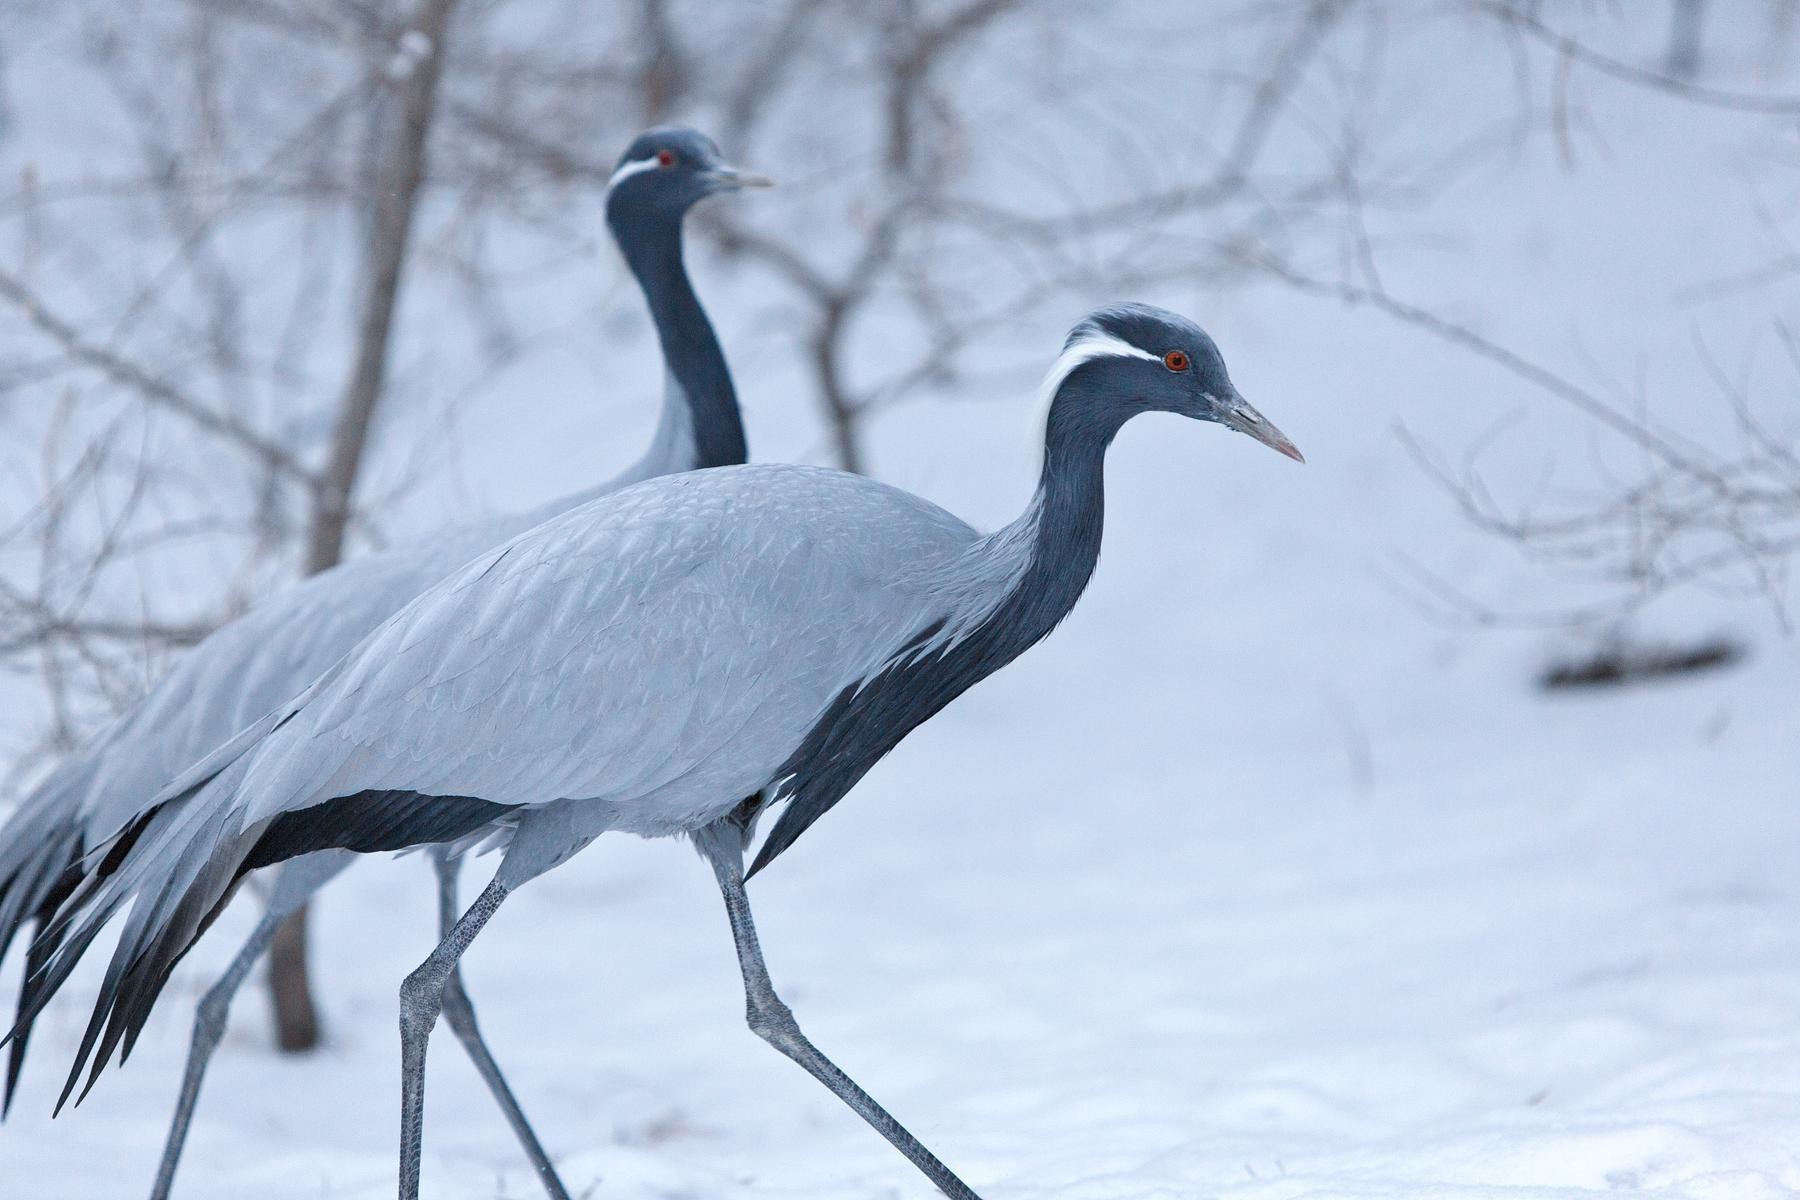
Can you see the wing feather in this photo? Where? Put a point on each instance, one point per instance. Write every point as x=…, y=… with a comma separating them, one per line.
x=662, y=650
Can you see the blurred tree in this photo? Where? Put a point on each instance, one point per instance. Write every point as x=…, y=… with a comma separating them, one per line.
x=397, y=84
x=412, y=72
x=1687, y=18
x=252, y=206
x=1686, y=514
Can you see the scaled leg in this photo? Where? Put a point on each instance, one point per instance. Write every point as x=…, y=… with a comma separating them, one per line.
x=772, y=1021
x=460, y=1013
x=421, y=1000
x=295, y=881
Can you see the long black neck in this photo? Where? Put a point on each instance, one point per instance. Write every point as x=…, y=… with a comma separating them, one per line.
x=652, y=246
x=1060, y=533
x=1040, y=564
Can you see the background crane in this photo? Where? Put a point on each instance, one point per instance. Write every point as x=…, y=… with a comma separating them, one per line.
x=262, y=659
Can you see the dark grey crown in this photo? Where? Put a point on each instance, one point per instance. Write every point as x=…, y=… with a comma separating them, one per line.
x=1154, y=331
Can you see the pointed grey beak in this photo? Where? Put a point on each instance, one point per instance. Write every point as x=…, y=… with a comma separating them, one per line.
x=1245, y=419
x=729, y=178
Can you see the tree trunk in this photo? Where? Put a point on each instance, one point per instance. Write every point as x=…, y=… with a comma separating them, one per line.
x=414, y=69
x=1682, y=61
x=290, y=987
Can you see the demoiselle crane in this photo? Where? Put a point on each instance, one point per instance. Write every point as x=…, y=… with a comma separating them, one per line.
x=676, y=658
x=264, y=657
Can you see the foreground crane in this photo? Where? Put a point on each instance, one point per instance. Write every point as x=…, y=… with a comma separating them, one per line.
x=260, y=660
x=676, y=658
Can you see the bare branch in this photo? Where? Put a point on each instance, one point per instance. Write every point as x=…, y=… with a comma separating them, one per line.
x=757, y=82
x=1463, y=337
x=157, y=391
x=416, y=64
x=1573, y=50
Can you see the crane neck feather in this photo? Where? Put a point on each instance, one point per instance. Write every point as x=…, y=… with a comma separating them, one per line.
x=699, y=397
x=1054, y=545
x=1013, y=586
x=998, y=598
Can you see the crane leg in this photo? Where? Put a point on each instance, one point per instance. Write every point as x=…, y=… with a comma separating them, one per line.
x=209, y=1027
x=421, y=1000
x=296, y=881
x=460, y=1014
x=772, y=1021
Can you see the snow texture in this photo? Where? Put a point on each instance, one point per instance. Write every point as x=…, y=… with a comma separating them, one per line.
x=1249, y=883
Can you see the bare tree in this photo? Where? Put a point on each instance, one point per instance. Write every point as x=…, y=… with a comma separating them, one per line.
x=951, y=267
x=1687, y=20
x=215, y=305
x=1679, y=515
x=413, y=71
x=1664, y=513
x=54, y=620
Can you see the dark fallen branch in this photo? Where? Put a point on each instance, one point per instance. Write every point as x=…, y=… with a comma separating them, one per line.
x=1619, y=664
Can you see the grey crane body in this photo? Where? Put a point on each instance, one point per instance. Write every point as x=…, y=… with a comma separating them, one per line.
x=674, y=658
x=260, y=660
x=257, y=661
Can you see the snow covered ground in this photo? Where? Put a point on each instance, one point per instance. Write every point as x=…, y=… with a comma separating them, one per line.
x=1249, y=883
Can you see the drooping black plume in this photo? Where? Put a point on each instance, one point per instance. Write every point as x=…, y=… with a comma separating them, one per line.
x=206, y=863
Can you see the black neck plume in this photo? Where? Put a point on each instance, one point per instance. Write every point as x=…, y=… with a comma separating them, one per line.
x=1045, y=559
x=1068, y=515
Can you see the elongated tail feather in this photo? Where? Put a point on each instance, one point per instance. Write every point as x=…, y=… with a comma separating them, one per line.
x=40, y=853
x=176, y=868
x=37, y=955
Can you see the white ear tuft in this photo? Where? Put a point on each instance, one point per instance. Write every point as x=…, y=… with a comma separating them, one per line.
x=636, y=166
x=1090, y=343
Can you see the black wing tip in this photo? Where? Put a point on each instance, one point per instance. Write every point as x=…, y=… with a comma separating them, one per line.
x=369, y=822
x=365, y=823
x=15, y=1042
x=779, y=839
x=45, y=940
x=126, y=997
x=15, y=1061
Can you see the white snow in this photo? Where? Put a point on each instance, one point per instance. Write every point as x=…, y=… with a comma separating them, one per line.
x=1249, y=883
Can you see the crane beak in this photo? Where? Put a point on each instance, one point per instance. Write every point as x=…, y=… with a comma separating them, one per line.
x=726, y=178
x=1245, y=419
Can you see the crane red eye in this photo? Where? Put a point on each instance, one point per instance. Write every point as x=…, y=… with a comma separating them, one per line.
x=1175, y=360
x=665, y=158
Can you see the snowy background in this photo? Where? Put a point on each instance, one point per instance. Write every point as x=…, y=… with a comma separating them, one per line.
x=1255, y=880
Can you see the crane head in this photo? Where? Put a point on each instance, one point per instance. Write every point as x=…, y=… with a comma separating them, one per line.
x=667, y=170
x=1131, y=358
